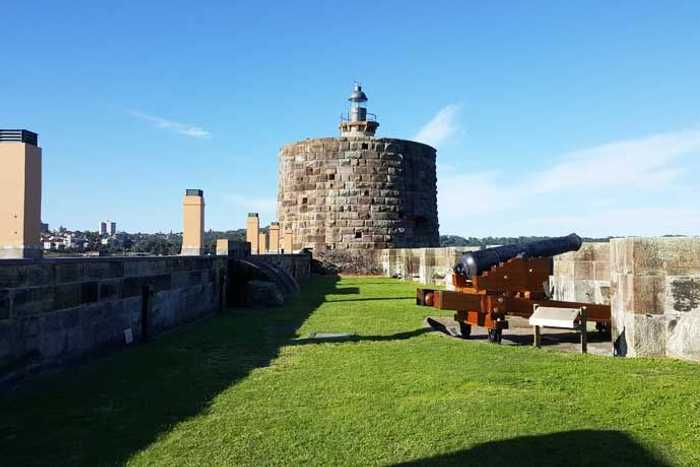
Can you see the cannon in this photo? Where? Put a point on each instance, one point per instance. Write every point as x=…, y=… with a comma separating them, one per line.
x=473, y=263
x=510, y=280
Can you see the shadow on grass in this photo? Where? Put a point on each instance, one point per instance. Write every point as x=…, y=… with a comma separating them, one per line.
x=346, y=291
x=550, y=336
x=104, y=412
x=354, y=338
x=372, y=299
x=567, y=448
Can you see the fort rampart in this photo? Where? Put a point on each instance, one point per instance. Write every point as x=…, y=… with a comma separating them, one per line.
x=652, y=285
x=56, y=310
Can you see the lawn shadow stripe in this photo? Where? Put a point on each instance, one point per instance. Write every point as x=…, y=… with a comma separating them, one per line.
x=107, y=410
x=358, y=338
x=566, y=448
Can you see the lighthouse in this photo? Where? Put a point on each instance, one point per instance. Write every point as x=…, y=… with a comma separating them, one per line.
x=357, y=191
x=358, y=122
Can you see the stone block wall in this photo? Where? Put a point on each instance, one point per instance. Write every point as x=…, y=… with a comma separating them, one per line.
x=298, y=265
x=432, y=266
x=583, y=275
x=358, y=193
x=54, y=310
x=655, y=289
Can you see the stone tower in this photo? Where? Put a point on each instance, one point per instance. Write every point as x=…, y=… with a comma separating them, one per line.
x=358, y=191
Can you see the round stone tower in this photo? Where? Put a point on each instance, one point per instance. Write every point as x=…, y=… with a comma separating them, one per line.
x=358, y=191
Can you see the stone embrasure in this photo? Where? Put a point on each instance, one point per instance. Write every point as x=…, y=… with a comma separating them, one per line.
x=358, y=193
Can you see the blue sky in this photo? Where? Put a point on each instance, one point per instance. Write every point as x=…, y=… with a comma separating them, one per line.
x=548, y=117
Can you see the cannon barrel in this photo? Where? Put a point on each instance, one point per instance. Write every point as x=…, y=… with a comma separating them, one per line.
x=473, y=263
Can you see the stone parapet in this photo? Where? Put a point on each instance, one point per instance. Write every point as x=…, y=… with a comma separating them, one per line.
x=655, y=285
x=232, y=248
x=54, y=310
x=431, y=266
x=297, y=265
x=583, y=275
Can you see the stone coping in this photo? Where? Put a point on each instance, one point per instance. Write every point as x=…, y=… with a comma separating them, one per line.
x=78, y=259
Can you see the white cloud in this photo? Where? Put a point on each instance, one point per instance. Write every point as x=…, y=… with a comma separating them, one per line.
x=440, y=128
x=635, y=163
x=639, y=221
x=603, y=190
x=181, y=128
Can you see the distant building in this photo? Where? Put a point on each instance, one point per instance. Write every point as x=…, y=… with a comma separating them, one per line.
x=73, y=241
x=108, y=228
x=44, y=228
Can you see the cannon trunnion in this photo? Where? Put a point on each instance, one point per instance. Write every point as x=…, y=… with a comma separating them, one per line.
x=493, y=283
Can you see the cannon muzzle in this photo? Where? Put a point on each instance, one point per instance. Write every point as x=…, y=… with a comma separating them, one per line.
x=475, y=262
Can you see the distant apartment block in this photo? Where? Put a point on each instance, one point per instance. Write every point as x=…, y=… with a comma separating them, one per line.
x=108, y=228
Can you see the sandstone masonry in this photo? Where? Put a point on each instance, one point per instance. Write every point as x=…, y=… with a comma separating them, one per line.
x=358, y=193
x=55, y=310
x=655, y=290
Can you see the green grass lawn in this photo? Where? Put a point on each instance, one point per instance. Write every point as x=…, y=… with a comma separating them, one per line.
x=247, y=388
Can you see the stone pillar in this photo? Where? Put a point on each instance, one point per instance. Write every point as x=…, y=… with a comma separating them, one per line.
x=193, y=233
x=288, y=241
x=20, y=194
x=232, y=248
x=274, y=238
x=223, y=247
x=655, y=296
x=252, y=232
x=262, y=243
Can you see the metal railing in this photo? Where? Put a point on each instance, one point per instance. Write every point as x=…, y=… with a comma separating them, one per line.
x=345, y=118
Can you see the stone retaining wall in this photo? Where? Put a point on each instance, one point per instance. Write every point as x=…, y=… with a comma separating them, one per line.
x=55, y=310
x=298, y=265
x=655, y=289
x=432, y=266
